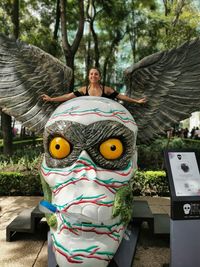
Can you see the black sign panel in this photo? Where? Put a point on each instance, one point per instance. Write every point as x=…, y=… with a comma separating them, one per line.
x=184, y=182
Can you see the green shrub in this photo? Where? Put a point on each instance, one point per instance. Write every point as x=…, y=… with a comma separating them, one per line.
x=150, y=183
x=19, y=155
x=19, y=174
x=28, y=183
x=151, y=156
x=23, y=178
x=33, y=142
x=23, y=184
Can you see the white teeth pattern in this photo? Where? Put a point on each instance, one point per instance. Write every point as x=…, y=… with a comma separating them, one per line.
x=75, y=209
x=105, y=213
x=112, y=221
x=101, y=215
x=90, y=211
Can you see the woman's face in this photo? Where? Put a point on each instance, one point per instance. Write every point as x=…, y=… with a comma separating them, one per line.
x=94, y=76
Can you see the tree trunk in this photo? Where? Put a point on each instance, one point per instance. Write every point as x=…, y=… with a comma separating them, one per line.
x=53, y=47
x=15, y=18
x=88, y=45
x=6, y=120
x=56, y=27
x=178, y=11
x=70, y=50
x=70, y=63
x=91, y=14
x=114, y=43
x=96, y=45
x=88, y=57
x=7, y=134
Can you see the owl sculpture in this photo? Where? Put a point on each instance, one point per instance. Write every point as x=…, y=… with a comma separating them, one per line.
x=90, y=142
x=89, y=159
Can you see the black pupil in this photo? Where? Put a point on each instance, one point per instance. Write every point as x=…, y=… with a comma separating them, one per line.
x=57, y=146
x=113, y=147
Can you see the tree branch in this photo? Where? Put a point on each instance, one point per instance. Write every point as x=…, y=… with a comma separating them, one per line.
x=119, y=36
x=15, y=18
x=167, y=8
x=179, y=9
x=79, y=33
x=55, y=33
x=95, y=37
x=65, y=43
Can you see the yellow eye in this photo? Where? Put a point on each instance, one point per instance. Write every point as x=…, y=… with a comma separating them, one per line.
x=111, y=148
x=59, y=148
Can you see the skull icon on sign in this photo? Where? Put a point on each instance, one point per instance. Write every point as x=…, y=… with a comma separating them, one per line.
x=186, y=208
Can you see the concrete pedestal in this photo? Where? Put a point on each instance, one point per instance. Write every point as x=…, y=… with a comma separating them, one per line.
x=185, y=243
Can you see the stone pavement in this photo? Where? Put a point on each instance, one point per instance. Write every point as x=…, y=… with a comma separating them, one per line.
x=31, y=251
x=27, y=251
x=153, y=250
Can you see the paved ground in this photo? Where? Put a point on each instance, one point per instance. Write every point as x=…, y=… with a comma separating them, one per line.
x=25, y=252
x=153, y=250
x=31, y=251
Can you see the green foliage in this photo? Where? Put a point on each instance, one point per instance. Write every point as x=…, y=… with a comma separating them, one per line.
x=142, y=183
x=143, y=25
x=52, y=220
x=18, y=184
x=123, y=204
x=19, y=175
x=46, y=190
x=26, y=143
x=22, y=160
x=142, y=29
x=151, y=157
x=150, y=183
x=37, y=25
x=37, y=20
x=180, y=19
x=5, y=15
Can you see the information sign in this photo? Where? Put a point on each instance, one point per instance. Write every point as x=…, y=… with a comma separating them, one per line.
x=184, y=182
x=185, y=173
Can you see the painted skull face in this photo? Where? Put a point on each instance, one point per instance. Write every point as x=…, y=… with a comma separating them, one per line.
x=89, y=156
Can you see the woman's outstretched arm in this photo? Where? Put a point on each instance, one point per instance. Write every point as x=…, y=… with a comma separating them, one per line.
x=64, y=97
x=119, y=96
x=131, y=100
x=61, y=98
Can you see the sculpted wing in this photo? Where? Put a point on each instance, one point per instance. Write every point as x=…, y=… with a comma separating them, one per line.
x=171, y=82
x=26, y=72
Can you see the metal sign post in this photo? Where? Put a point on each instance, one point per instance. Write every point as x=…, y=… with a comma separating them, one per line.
x=184, y=182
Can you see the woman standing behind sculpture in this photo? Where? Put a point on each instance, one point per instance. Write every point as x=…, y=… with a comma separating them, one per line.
x=168, y=79
x=94, y=89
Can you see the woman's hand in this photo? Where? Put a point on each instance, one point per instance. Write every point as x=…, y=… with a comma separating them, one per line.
x=45, y=97
x=142, y=100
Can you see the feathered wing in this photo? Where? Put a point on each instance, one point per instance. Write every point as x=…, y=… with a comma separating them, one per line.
x=171, y=82
x=26, y=72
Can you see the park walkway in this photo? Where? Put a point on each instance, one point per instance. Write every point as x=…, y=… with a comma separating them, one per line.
x=31, y=251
